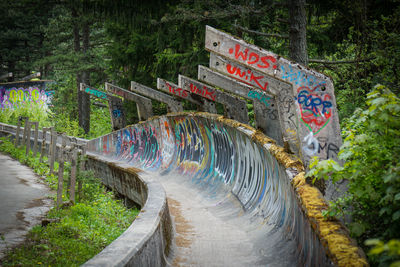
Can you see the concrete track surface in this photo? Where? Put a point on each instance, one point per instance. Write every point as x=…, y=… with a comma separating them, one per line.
x=230, y=199
x=24, y=200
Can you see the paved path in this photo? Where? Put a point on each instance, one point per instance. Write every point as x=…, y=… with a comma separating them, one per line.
x=23, y=201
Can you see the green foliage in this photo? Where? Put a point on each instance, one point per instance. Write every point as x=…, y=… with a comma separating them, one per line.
x=388, y=254
x=35, y=112
x=100, y=122
x=77, y=233
x=371, y=155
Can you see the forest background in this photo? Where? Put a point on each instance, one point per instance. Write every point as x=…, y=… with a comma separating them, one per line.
x=357, y=43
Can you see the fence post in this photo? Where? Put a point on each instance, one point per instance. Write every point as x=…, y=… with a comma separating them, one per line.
x=35, y=144
x=73, y=172
x=17, y=133
x=81, y=168
x=42, y=151
x=28, y=137
x=60, y=177
x=61, y=158
x=53, y=148
x=25, y=129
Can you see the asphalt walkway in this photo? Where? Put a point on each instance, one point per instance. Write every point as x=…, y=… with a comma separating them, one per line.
x=24, y=200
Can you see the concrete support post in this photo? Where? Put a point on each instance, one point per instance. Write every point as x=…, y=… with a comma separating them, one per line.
x=117, y=112
x=143, y=104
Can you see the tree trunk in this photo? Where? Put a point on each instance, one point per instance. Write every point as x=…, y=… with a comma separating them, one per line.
x=77, y=49
x=297, y=31
x=85, y=79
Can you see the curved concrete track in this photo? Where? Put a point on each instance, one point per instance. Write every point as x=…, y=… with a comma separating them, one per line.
x=231, y=200
x=24, y=200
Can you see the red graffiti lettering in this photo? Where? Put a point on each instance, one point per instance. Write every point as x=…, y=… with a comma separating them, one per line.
x=256, y=80
x=266, y=63
x=178, y=91
x=240, y=75
x=238, y=53
x=205, y=92
x=253, y=58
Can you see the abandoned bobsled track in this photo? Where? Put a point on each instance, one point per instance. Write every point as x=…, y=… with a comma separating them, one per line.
x=214, y=192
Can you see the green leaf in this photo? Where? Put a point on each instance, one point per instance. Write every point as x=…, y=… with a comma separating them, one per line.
x=357, y=229
x=373, y=242
x=396, y=215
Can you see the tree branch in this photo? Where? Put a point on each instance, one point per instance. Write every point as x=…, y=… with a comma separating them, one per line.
x=320, y=61
x=261, y=33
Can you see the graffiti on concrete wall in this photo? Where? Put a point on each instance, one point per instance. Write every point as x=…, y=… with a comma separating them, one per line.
x=261, y=61
x=315, y=107
x=14, y=97
x=213, y=155
x=96, y=93
x=254, y=94
x=205, y=92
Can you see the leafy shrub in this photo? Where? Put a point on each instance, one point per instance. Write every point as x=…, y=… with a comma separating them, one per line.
x=371, y=155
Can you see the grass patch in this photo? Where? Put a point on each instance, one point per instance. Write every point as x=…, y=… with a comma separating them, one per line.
x=76, y=233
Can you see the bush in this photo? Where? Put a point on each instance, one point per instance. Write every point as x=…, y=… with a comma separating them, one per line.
x=371, y=155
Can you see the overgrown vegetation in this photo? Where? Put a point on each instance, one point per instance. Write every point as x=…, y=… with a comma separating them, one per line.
x=371, y=155
x=357, y=43
x=76, y=233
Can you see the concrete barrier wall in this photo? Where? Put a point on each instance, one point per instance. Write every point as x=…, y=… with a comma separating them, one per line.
x=148, y=239
x=224, y=156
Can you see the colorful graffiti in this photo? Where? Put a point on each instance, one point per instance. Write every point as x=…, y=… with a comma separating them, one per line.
x=219, y=158
x=14, y=97
x=96, y=93
x=315, y=107
x=260, y=96
x=300, y=78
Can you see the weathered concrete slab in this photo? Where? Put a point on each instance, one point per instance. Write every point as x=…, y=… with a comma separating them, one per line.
x=173, y=104
x=312, y=92
x=203, y=103
x=6, y=75
x=143, y=104
x=93, y=91
x=117, y=112
x=115, y=107
x=264, y=104
x=235, y=108
x=283, y=96
x=31, y=76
